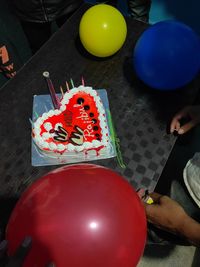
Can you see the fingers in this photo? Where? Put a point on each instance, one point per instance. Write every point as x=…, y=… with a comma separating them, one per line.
x=175, y=124
x=188, y=112
x=18, y=258
x=51, y=265
x=23, y=248
x=144, y=196
x=3, y=248
x=188, y=126
x=152, y=211
x=156, y=197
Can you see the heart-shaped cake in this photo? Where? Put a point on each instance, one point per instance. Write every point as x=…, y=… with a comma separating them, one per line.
x=78, y=125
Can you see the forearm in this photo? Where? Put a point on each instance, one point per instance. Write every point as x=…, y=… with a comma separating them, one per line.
x=190, y=229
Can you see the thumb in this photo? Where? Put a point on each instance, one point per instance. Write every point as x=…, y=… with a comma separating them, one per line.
x=156, y=197
x=188, y=126
x=18, y=258
x=152, y=211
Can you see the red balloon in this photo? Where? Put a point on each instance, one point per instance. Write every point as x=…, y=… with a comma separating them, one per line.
x=80, y=215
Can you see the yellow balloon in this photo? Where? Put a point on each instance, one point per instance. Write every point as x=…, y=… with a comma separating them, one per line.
x=102, y=30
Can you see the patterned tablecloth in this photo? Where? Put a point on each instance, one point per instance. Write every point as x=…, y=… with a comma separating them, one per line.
x=140, y=114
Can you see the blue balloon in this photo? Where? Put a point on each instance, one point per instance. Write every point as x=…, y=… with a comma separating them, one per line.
x=167, y=55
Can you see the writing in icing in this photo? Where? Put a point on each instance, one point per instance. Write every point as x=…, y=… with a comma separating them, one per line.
x=88, y=132
x=77, y=137
x=61, y=134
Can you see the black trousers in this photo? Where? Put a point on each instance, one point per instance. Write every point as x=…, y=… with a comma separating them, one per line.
x=137, y=9
x=39, y=33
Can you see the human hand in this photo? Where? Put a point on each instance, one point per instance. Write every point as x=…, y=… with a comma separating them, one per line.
x=166, y=213
x=19, y=256
x=192, y=113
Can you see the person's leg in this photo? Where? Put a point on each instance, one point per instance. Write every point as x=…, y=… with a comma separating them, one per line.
x=108, y=2
x=36, y=33
x=180, y=194
x=61, y=20
x=139, y=9
x=67, y=12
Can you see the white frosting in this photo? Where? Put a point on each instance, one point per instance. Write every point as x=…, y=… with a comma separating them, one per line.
x=46, y=135
x=45, y=116
x=57, y=112
x=63, y=107
x=70, y=147
x=53, y=147
x=47, y=126
x=37, y=131
x=39, y=120
x=65, y=98
x=87, y=145
x=79, y=148
x=51, y=113
x=96, y=143
x=61, y=147
x=58, y=124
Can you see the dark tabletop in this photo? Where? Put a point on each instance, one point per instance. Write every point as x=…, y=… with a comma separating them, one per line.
x=140, y=114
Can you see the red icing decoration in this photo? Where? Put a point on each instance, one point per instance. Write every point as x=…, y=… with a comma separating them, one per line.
x=78, y=116
x=96, y=149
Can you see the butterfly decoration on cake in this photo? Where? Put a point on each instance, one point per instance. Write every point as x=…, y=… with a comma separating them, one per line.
x=76, y=124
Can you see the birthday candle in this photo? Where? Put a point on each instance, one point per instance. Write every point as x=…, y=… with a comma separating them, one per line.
x=61, y=91
x=46, y=109
x=31, y=122
x=54, y=98
x=83, y=82
x=36, y=114
x=72, y=83
x=67, y=85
